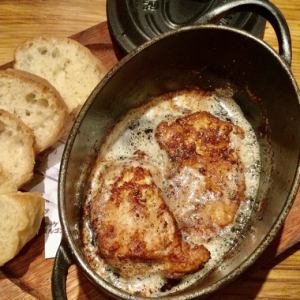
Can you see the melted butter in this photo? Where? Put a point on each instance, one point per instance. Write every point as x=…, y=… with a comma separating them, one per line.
x=136, y=133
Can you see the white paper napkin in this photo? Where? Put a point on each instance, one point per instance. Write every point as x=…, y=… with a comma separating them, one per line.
x=45, y=181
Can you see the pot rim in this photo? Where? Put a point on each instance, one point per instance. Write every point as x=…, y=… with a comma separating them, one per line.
x=67, y=234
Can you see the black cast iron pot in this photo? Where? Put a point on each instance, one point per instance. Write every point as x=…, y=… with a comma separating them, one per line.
x=207, y=56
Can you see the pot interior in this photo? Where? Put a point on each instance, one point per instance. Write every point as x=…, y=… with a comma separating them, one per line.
x=207, y=57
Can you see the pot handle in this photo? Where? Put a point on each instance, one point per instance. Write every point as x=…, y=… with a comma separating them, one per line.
x=62, y=263
x=263, y=8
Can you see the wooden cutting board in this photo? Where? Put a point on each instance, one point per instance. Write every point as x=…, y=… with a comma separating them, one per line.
x=32, y=273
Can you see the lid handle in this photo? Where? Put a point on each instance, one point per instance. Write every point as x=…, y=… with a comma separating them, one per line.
x=263, y=8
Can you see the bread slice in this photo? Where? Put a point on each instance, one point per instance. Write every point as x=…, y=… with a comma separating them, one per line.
x=17, y=149
x=36, y=102
x=70, y=67
x=5, y=184
x=20, y=219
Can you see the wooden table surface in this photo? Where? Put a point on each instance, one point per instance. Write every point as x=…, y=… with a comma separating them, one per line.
x=22, y=19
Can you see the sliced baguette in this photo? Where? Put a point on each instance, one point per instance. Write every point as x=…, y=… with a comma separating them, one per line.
x=17, y=149
x=70, y=67
x=36, y=103
x=5, y=184
x=20, y=219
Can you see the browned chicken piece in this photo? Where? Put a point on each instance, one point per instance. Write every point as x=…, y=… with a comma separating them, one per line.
x=206, y=175
x=135, y=231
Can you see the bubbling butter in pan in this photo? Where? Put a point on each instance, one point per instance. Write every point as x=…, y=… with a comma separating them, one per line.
x=136, y=133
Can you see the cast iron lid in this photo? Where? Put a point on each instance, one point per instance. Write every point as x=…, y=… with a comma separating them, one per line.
x=133, y=22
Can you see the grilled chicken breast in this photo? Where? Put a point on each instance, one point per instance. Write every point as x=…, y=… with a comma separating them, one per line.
x=206, y=179
x=134, y=229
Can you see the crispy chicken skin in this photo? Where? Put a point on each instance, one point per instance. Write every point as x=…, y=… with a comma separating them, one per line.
x=206, y=175
x=135, y=231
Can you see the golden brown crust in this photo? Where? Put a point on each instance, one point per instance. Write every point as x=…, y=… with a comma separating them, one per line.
x=201, y=142
x=135, y=231
x=197, y=140
x=134, y=195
